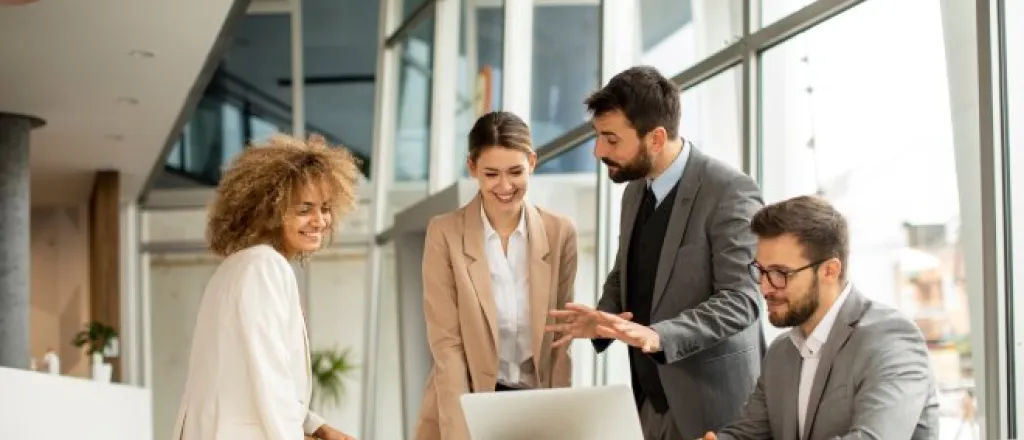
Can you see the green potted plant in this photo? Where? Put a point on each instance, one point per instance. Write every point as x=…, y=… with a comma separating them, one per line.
x=98, y=336
x=330, y=368
x=101, y=340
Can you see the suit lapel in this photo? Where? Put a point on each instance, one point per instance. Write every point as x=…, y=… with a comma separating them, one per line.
x=630, y=208
x=689, y=184
x=541, y=296
x=847, y=317
x=479, y=269
x=790, y=387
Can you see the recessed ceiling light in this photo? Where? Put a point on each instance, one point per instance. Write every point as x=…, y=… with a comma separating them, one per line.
x=128, y=100
x=114, y=137
x=140, y=53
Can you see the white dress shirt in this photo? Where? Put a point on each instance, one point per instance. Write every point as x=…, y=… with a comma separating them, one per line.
x=663, y=184
x=510, y=287
x=810, y=351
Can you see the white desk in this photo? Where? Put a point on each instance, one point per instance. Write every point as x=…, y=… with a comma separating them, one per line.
x=36, y=405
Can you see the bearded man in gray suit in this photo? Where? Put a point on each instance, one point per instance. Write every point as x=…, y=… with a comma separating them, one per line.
x=680, y=293
x=850, y=368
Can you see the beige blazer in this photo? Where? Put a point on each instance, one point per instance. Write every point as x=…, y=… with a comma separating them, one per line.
x=249, y=373
x=462, y=319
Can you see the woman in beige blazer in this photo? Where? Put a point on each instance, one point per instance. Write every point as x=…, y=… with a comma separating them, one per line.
x=249, y=373
x=491, y=272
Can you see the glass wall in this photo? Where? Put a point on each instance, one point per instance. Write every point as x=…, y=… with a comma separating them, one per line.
x=711, y=113
x=339, y=62
x=871, y=104
x=481, y=49
x=565, y=66
x=676, y=34
x=889, y=168
x=412, y=145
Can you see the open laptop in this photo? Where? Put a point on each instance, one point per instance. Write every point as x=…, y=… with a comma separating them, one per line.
x=589, y=413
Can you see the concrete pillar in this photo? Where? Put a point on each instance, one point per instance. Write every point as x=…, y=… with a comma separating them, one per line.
x=14, y=239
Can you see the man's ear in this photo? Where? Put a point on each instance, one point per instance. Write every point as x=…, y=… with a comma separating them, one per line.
x=833, y=269
x=656, y=139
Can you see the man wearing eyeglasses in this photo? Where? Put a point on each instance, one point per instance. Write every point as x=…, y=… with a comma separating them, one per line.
x=850, y=368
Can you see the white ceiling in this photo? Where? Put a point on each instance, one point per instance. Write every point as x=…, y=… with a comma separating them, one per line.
x=83, y=67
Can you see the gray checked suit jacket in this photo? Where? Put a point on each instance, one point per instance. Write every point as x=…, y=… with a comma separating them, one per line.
x=874, y=381
x=706, y=306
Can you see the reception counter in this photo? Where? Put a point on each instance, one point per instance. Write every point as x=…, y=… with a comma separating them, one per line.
x=35, y=405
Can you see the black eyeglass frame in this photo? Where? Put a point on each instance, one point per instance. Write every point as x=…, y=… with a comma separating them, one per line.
x=758, y=272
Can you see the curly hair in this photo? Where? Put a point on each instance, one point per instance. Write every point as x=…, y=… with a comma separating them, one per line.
x=258, y=188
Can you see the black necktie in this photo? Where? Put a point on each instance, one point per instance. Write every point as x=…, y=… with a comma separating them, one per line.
x=648, y=205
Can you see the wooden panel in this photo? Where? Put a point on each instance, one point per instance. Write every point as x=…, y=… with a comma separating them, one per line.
x=104, y=255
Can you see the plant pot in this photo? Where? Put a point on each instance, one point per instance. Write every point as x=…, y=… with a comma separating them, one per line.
x=101, y=371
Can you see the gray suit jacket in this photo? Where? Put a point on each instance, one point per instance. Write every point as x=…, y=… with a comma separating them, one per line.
x=706, y=306
x=874, y=381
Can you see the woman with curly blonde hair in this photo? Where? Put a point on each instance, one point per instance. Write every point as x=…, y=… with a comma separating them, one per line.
x=249, y=374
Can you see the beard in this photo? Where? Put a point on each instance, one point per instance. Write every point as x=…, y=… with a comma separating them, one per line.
x=637, y=168
x=799, y=312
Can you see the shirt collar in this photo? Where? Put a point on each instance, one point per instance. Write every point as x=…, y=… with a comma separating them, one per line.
x=663, y=184
x=819, y=335
x=489, y=230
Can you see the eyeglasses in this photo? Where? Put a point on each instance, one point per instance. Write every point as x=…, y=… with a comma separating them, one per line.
x=778, y=278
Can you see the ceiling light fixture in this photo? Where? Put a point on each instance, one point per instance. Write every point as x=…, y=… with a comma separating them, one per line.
x=128, y=100
x=140, y=53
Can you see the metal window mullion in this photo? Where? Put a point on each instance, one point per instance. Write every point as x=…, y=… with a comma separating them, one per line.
x=993, y=242
x=422, y=12
x=603, y=206
x=443, y=96
x=517, y=62
x=617, y=20
x=385, y=102
x=999, y=43
x=298, y=72
x=797, y=22
x=751, y=94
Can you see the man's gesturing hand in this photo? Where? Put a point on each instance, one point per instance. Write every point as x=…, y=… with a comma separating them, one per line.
x=579, y=321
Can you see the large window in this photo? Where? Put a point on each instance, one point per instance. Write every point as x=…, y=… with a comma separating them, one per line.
x=481, y=50
x=565, y=67
x=412, y=143
x=339, y=59
x=676, y=34
x=773, y=10
x=579, y=159
x=711, y=115
x=848, y=115
x=871, y=104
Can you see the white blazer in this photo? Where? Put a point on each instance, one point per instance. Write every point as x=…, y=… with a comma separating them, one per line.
x=249, y=375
